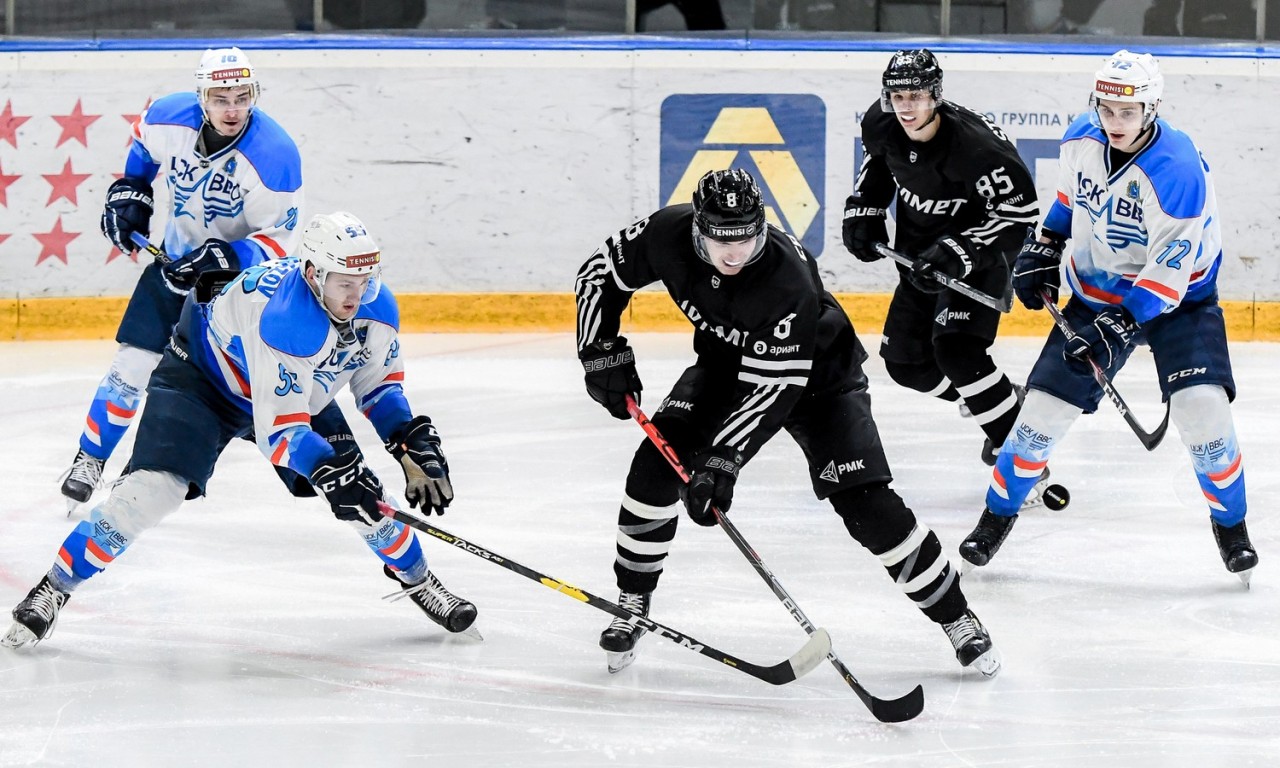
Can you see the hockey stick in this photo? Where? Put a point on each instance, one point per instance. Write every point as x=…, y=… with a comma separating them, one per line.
x=1003, y=304
x=800, y=664
x=884, y=710
x=142, y=242
x=1149, y=440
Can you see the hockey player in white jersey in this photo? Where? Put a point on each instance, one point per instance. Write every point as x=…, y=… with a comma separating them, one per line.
x=1136, y=201
x=234, y=178
x=263, y=357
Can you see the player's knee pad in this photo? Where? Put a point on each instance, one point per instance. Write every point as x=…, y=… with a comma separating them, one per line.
x=922, y=377
x=1201, y=413
x=139, y=501
x=132, y=367
x=875, y=515
x=963, y=358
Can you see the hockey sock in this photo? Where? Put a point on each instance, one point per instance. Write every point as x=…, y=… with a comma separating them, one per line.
x=987, y=392
x=878, y=519
x=138, y=503
x=1043, y=420
x=1203, y=416
x=116, y=401
x=645, y=533
x=922, y=377
x=397, y=547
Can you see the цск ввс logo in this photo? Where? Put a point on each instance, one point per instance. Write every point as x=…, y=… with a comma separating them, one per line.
x=780, y=138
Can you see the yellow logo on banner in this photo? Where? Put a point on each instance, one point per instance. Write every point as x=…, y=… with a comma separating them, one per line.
x=779, y=172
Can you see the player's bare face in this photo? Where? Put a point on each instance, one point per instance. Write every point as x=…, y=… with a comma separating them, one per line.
x=1122, y=122
x=228, y=108
x=730, y=257
x=342, y=294
x=914, y=110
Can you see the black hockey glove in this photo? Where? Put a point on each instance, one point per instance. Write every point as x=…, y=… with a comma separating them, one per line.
x=353, y=492
x=416, y=446
x=1104, y=340
x=214, y=254
x=712, y=474
x=862, y=228
x=950, y=255
x=128, y=210
x=610, y=367
x=1038, y=268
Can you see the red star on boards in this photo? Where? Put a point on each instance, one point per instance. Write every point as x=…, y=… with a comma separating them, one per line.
x=53, y=244
x=64, y=184
x=3, y=237
x=131, y=119
x=5, y=181
x=74, y=125
x=10, y=123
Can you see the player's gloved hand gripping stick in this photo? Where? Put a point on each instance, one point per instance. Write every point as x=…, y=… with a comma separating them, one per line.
x=884, y=710
x=1003, y=304
x=1149, y=440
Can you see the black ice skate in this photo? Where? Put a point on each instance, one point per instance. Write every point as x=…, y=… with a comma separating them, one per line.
x=619, y=639
x=441, y=606
x=1237, y=551
x=82, y=479
x=973, y=644
x=984, y=542
x=35, y=617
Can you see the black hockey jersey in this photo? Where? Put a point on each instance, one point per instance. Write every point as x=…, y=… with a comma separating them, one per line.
x=772, y=322
x=967, y=181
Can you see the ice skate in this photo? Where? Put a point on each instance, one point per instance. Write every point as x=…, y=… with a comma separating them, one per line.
x=441, y=606
x=619, y=638
x=973, y=644
x=35, y=617
x=1237, y=551
x=82, y=479
x=984, y=542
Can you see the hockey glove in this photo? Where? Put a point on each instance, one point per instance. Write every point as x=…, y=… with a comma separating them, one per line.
x=1105, y=339
x=951, y=256
x=862, y=228
x=610, y=367
x=353, y=492
x=712, y=475
x=214, y=254
x=128, y=210
x=416, y=446
x=1038, y=268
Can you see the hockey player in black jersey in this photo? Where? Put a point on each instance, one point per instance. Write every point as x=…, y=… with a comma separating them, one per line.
x=774, y=350
x=965, y=201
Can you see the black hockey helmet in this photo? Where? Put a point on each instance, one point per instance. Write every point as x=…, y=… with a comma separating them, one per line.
x=916, y=69
x=727, y=206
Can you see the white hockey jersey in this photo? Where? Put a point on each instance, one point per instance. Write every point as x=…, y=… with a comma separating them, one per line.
x=248, y=194
x=1145, y=235
x=267, y=343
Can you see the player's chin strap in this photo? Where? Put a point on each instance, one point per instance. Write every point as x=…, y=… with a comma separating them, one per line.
x=884, y=710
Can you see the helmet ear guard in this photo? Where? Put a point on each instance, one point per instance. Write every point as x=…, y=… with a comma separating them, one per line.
x=728, y=207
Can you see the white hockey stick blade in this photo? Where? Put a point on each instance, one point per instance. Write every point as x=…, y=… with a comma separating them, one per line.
x=812, y=654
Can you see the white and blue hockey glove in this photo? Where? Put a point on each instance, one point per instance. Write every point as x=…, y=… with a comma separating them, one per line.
x=128, y=209
x=1104, y=340
x=353, y=492
x=416, y=446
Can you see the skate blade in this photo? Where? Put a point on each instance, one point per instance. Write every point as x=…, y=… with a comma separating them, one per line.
x=619, y=661
x=472, y=633
x=989, y=663
x=1245, y=576
x=18, y=636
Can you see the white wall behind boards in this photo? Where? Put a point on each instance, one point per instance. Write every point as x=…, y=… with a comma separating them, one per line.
x=502, y=170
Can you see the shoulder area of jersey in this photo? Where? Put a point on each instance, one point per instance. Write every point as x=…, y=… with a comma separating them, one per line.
x=180, y=109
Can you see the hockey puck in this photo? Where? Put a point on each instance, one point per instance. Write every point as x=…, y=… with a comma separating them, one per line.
x=1056, y=497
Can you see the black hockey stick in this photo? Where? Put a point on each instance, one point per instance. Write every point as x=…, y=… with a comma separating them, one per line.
x=1003, y=304
x=884, y=710
x=800, y=664
x=142, y=242
x=1149, y=440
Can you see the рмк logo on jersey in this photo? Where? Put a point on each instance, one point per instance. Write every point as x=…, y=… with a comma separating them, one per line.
x=779, y=138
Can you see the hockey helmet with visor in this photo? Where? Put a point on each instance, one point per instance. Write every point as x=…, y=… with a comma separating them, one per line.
x=1129, y=78
x=915, y=77
x=729, y=229
x=347, y=263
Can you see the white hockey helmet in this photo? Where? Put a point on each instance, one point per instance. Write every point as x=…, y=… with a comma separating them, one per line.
x=1131, y=77
x=225, y=68
x=338, y=243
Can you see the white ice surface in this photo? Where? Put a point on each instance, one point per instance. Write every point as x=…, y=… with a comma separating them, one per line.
x=247, y=629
